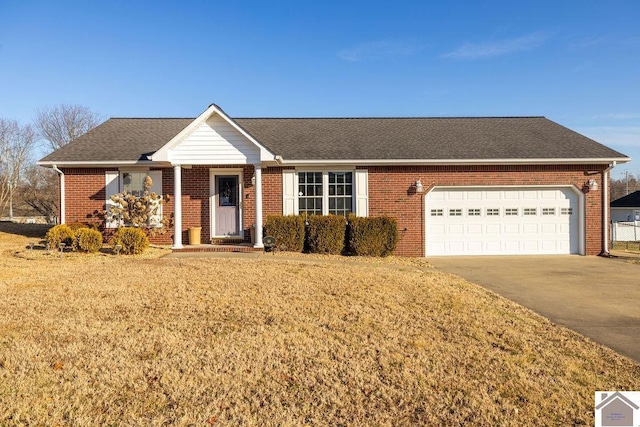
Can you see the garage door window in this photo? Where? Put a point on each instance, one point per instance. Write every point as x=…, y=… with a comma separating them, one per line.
x=473, y=212
x=511, y=211
x=493, y=212
x=436, y=212
x=548, y=211
x=530, y=211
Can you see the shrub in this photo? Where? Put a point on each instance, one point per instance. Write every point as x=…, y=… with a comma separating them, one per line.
x=88, y=240
x=133, y=240
x=372, y=236
x=326, y=234
x=78, y=225
x=287, y=230
x=61, y=233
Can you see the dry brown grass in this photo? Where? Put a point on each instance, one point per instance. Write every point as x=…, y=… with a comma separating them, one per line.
x=93, y=340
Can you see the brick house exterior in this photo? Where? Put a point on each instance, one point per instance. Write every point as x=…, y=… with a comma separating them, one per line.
x=399, y=182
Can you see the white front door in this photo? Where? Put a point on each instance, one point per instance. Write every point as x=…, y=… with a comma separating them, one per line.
x=226, y=206
x=502, y=221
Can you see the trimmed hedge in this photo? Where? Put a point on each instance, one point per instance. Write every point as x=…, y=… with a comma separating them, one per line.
x=287, y=230
x=326, y=234
x=88, y=240
x=133, y=240
x=372, y=236
x=78, y=225
x=61, y=233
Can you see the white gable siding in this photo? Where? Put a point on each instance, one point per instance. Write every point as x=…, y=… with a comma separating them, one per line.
x=215, y=142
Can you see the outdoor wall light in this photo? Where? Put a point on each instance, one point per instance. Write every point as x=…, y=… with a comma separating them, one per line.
x=592, y=184
x=418, y=186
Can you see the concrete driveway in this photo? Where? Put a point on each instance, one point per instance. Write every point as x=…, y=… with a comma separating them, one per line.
x=597, y=297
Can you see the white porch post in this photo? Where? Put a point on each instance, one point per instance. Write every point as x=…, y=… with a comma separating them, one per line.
x=177, y=209
x=258, y=189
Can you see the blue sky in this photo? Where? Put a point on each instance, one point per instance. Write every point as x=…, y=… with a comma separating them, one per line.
x=575, y=62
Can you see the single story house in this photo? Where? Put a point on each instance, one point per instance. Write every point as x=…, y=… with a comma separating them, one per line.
x=626, y=208
x=457, y=186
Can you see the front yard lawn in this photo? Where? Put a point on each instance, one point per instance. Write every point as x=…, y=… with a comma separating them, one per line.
x=141, y=340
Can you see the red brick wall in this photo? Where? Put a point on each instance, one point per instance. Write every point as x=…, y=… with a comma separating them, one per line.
x=84, y=193
x=390, y=193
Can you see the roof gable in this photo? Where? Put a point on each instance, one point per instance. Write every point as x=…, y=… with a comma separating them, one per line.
x=213, y=137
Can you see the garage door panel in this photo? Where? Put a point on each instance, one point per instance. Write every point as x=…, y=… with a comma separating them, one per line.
x=492, y=229
x=474, y=228
x=502, y=221
x=456, y=229
x=511, y=229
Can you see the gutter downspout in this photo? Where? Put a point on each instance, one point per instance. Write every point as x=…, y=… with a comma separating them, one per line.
x=62, y=195
x=605, y=207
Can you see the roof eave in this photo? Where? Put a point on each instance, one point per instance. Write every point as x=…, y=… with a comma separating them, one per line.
x=444, y=162
x=99, y=163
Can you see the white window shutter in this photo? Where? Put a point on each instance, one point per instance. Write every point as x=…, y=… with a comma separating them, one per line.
x=289, y=197
x=112, y=181
x=362, y=192
x=156, y=187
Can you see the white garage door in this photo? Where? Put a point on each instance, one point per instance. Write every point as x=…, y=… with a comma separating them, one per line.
x=501, y=221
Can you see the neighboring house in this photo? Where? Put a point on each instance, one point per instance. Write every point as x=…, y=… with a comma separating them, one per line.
x=626, y=208
x=503, y=185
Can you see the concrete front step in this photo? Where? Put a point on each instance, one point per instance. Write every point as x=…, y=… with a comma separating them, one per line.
x=218, y=248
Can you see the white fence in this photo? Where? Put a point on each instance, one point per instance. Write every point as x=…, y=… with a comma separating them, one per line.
x=624, y=231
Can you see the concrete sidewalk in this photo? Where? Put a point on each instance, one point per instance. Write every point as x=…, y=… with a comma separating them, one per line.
x=597, y=297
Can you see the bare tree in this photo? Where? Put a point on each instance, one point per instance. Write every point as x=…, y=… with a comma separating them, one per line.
x=623, y=186
x=63, y=123
x=39, y=190
x=16, y=144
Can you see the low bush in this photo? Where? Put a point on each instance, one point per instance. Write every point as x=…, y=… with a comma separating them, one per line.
x=133, y=240
x=372, y=236
x=326, y=234
x=88, y=240
x=78, y=225
x=287, y=230
x=61, y=233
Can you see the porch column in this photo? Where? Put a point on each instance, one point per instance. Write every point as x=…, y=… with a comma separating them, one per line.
x=258, y=188
x=177, y=207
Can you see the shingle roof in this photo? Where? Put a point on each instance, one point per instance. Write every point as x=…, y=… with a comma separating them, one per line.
x=631, y=200
x=355, y=139
x=120, y=139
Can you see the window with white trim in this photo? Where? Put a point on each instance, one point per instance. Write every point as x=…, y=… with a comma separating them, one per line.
x=326, y=192
x=133, y=182
x=310, y=193
x=340, y=193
